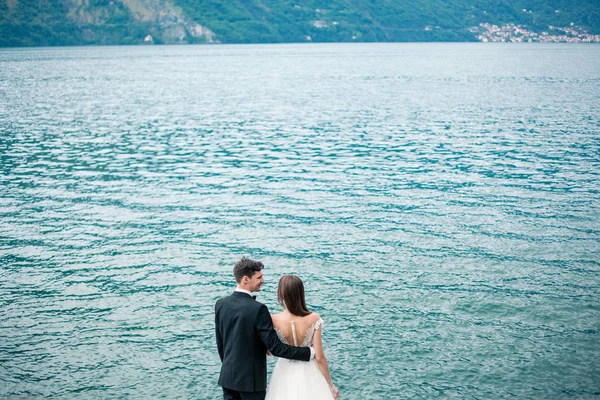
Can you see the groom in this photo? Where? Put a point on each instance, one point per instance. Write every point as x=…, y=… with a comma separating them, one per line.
x=244, y=334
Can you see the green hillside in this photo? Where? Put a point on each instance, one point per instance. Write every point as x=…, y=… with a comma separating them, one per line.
x=328, y=21
x=384, y=20
x=80, y=22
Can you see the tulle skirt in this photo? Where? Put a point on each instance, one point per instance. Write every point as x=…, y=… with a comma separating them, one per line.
x=297, y=380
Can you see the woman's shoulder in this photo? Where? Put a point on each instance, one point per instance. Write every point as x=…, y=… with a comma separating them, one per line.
x=313, y=317
x=276, y=316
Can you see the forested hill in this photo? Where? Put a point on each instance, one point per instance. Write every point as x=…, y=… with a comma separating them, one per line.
x=80, y=22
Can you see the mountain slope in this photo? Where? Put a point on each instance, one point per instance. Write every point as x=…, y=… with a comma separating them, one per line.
x=382, y=20
x=76, y=22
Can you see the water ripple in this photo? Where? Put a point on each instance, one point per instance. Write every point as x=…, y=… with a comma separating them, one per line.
x=440, y=202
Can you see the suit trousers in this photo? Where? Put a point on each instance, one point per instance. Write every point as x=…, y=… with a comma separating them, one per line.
x=229, y=394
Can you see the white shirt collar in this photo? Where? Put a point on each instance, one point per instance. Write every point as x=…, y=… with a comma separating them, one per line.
x=239, y=289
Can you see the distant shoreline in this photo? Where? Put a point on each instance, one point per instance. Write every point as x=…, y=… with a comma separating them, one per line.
x=288, y=43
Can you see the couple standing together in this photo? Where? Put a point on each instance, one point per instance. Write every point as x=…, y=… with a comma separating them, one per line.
x=246, y=333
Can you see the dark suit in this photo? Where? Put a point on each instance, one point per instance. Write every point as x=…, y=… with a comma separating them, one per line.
x=244, y=333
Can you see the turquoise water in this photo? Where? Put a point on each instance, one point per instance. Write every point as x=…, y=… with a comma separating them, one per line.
x=440, y=201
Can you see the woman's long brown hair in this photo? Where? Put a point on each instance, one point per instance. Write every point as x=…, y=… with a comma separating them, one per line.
x=290, y=294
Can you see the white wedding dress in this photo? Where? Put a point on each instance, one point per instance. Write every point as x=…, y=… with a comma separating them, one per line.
x=298, y=380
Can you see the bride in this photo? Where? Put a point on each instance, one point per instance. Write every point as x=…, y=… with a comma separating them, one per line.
x=295, y=325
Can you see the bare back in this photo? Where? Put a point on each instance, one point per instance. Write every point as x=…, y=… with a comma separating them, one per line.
x=294, y=330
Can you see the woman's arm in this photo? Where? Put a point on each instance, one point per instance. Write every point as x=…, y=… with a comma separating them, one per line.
x=322, y=361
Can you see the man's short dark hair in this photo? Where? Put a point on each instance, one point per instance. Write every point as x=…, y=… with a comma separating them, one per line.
x=246, y=267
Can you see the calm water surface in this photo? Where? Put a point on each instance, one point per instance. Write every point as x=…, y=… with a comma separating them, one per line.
x=441, y=203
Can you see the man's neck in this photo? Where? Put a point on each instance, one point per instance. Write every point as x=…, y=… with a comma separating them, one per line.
x=239, y=289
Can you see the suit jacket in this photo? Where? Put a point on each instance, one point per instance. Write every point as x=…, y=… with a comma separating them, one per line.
x=244, y=333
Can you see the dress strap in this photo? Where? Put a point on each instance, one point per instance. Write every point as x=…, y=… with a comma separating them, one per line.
x=294, y=333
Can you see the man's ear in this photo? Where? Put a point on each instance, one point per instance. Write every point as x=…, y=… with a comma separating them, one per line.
x=244, y=279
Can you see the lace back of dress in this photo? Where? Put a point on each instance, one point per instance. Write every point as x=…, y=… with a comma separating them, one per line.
x=308, y=338
x=310, y=333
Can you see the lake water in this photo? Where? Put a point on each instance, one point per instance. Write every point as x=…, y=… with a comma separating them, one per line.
x=441, y=203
